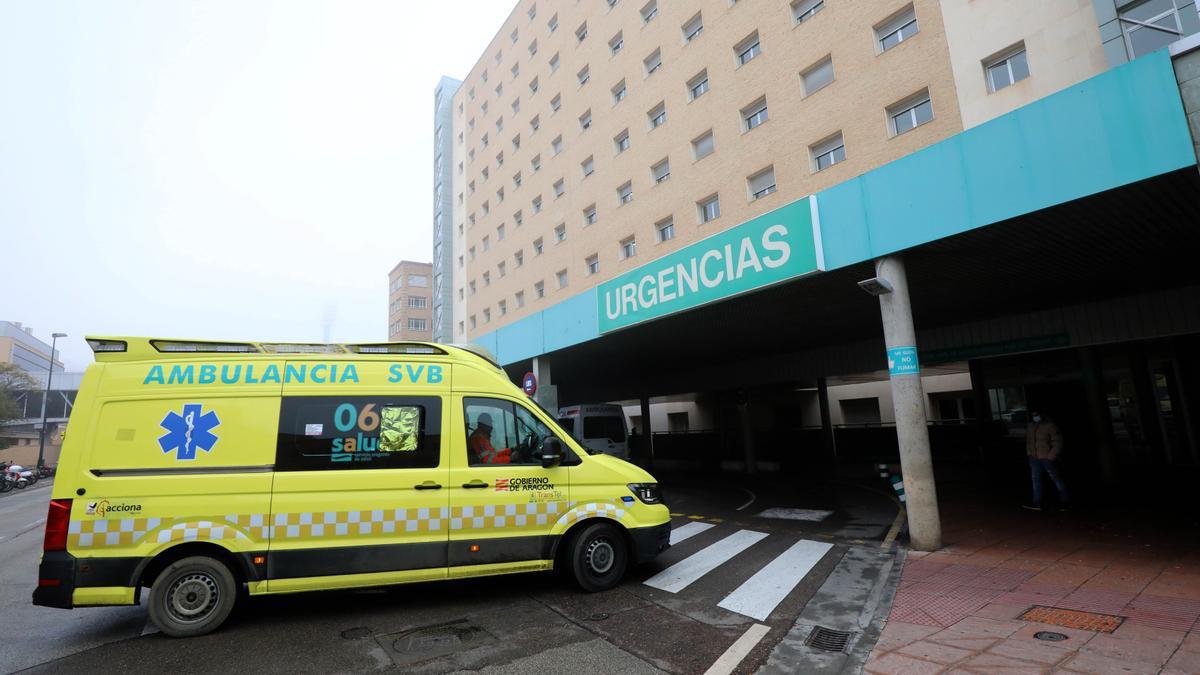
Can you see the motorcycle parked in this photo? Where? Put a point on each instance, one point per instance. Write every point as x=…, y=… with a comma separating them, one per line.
x=46, y=471
x=6, y=482
x=22, y=477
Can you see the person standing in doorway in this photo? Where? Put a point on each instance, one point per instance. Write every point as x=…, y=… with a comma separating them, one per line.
x=1044, y=445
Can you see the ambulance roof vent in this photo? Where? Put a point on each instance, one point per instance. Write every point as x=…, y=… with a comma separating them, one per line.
x=294, y=348
x=395, y=348
x=197, y=347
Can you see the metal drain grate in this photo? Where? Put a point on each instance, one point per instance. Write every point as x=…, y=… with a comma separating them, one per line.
x=828, y=639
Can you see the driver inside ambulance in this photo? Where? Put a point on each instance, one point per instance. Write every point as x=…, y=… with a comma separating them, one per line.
x=480, y=443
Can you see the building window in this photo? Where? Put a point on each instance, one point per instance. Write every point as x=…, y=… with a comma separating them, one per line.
x=828, y=152
x=499, y=195
x=628, y=247
x=537, y=204
x=418, y=280
x=817, y=77
x=535, y=123
x=592, y=263
x=539, y=290
x=532, y=12
x=710, y=208
x=661, y=171
x=501, y=269
x=461, y=328
x=585, y=120
x=516, y=35
x=537, y=246
x=747, y=49
x=762, y=183
x=560, y=232
x=693, y=28
x=896, y=29
x=554, y=62
x=503, y=307
x=621, y=141
x=625, y=193
x=1152, y=25
x=471, y=286
x=803, y=10
x=556, y=145
x=1008, y=68
x=583, y=76
x=517, y=180
x=616, y=44
x=559, y=188
x=487, y=314
x=534, y=86
x=581, y=32
x=665, y=229
x=520, y=299
x=619, y=92
x=552, y=24
x=487, y=279
x=649, y=11
x=657, y=116
x=653, y=62
x=417, y=325
x=499, y=159
x=556, y=103
x=499, y=93
x=702, y=146
x=516, y=105
x=518, y=258
x=698, y=85
x=535, y=163
x=515, y=70
x=472, y=322
x=588, y=166
x=417, y=302
x=500, y=233
x=562, y=278
x=911, y=113
x=518, y=219
x=755, y=114
x=589, y=215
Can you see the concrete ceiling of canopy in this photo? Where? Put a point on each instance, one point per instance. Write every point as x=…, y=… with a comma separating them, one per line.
x=1133, y=239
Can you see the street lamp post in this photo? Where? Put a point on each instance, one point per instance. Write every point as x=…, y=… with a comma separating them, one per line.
x=45, y=396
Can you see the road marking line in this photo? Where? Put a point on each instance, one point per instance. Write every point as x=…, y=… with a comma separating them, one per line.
x=738, y=650
x=748, y=503
x=687, y=531
x=680, y=575
x=896, y=525
x=811, y=515
x=759, y=595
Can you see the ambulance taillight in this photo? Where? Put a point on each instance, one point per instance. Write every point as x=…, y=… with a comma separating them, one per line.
x=58, y=519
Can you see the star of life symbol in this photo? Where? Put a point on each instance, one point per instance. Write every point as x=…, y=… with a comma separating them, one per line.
x=188, y=432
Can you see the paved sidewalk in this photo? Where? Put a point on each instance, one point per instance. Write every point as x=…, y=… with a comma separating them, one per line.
x=957, y=609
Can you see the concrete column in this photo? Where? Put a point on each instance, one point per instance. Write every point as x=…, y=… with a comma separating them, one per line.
x=747, y=425
x=647, y=430
x=547, y=391
x=1098, y=413
x=829, y=441
x=908, y=400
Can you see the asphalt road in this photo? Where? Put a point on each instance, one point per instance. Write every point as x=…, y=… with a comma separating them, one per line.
x=672, y=615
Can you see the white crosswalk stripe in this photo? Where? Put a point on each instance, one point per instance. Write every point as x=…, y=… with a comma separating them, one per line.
x=680, y=575
x=689, y=530
x=761, y=593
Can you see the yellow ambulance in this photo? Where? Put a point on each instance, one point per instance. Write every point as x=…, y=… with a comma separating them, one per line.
x=199, y=469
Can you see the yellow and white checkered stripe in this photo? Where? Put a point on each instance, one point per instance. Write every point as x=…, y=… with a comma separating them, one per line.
x=328, y=525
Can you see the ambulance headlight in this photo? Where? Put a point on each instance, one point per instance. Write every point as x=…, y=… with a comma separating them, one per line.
x=647, y=492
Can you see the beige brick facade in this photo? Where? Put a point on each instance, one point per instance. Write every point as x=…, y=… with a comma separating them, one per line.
x=496, y=281
x=410, y=302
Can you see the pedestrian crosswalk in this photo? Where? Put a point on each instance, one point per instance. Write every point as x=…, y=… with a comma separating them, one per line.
x=764, y=590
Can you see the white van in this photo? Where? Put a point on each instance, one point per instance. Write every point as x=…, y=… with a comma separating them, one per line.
x=600, y=427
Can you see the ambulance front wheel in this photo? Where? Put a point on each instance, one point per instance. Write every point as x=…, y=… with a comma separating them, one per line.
x=192, y=596
x=598, y=556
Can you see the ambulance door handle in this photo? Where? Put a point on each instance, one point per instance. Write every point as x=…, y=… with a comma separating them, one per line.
x=475, y=484
x=428, y=485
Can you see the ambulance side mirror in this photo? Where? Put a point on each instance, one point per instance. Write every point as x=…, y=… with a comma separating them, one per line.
x=552, y=453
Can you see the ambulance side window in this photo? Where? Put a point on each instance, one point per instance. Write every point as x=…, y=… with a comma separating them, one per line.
x=502, y=432
x=332, y=433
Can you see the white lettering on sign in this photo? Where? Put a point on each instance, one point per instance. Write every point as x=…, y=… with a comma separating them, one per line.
x=711, y=269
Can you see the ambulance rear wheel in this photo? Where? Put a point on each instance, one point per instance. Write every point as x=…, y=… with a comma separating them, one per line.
x=192, y=596
x=598, y=556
